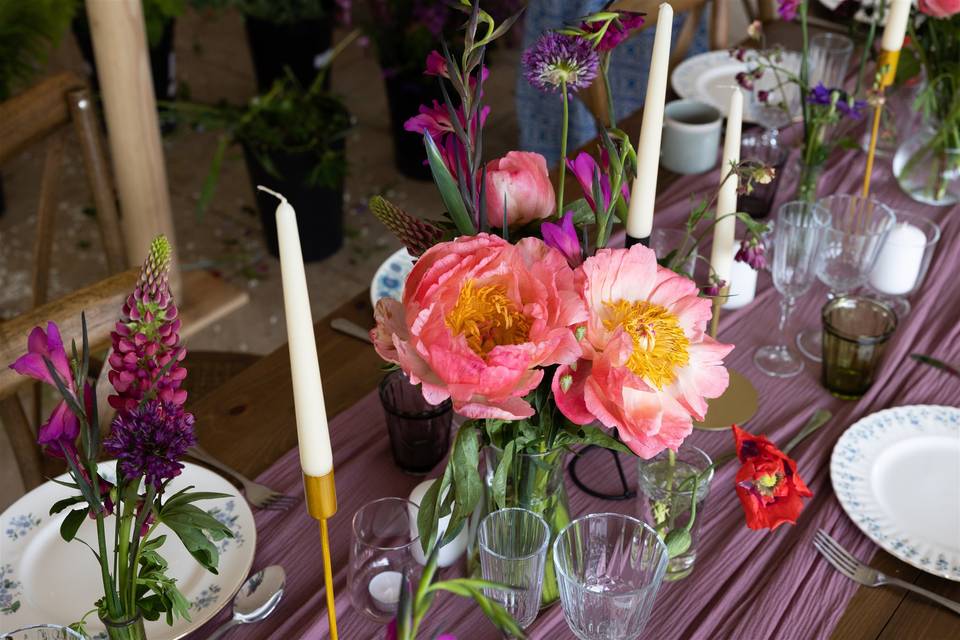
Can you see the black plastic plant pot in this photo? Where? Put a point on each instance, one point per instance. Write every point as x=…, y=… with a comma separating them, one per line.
x=404, y=97
x=319, y=209
x=275, y=47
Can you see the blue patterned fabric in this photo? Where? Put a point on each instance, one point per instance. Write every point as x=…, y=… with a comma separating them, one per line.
x=539, y=115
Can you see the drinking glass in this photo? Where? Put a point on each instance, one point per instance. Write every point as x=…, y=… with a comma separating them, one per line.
x=513, y=550
x=784, y=101
x=42, y=632
x=858, y=227
x=765, y=149
x=419, y=431
x=610, y=567
x=829, y=59
x=855, y=335
x=666, y=488
x=797, y=235
x=380, y=553
x=903, y=260
x=671, y=245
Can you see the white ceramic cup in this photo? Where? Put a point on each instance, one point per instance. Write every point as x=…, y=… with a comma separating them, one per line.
x=691, y=137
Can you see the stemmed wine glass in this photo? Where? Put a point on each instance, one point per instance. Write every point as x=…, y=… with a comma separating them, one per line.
x=858, y=227
x=797, y=236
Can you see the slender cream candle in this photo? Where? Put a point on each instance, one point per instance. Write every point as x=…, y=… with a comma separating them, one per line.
x=316, y=458
x=644, y=192
x=721, y=254
x=897, y=15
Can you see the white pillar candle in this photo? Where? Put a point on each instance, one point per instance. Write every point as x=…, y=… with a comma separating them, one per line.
x=898, y=12
x=901, y=257
x=722, y=252
x=450, y=552
x=316, y=458
x=384, y=590
x=743, y=286
x=644, y=191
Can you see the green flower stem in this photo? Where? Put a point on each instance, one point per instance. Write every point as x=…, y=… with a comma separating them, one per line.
x=604, y=68
x=563, y=146
x=126, y=522
x=420, y=606
x=136, y=561
x=109, y=593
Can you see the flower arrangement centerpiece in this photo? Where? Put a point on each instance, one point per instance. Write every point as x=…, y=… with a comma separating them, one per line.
x=820, y=108
x=148, y=436
x=927, y=164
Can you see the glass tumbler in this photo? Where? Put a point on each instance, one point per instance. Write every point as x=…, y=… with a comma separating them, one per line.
x=667, y=500
x=858, y=228
x=513, y=550
x=610, y=567
x=42, y=632
x=419, y=431
x=766, y=149
x=855, y=335
x=829, y=59
x=903, y=260
x=675, y=249
x=381, y=552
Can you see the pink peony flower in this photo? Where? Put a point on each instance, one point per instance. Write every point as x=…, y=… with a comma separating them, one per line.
x=478, y=320
x=648, y=365
x=520, y=181
x=939, y=8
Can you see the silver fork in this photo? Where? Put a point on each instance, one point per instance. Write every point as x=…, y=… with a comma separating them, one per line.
x=849, y=566
x=258, y=495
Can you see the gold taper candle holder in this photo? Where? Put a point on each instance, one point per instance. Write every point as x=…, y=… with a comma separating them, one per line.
x=887, y=69
x=321, y=496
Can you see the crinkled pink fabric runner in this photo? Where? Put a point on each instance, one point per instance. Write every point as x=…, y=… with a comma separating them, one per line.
x=746, y=584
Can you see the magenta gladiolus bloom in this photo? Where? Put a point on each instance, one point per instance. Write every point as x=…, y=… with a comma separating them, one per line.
x=563, y=238
x=618, y=31
x=583, y=168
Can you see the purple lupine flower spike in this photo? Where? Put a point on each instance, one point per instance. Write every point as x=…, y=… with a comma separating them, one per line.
x=146, y=341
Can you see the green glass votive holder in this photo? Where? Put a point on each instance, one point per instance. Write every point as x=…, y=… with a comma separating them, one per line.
x=855, y=335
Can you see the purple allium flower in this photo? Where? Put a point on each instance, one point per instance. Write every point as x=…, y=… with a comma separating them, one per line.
x=745, y=80
x=788, y=9
x=617, y=32
x=563, y=237
x=148, y=441
x=557, y=59
x=753, y=253
x=146, y=343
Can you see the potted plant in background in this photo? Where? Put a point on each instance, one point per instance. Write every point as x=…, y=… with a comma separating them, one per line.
x=294, y=141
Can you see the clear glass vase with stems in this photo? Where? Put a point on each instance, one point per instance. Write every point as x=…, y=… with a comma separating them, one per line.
x=797, y=235
x=129, y=628
x=673, y=488
x=851, y=242
x=927, y=164
x=534, y=481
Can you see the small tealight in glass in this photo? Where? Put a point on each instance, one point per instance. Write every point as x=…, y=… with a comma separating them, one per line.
x=855, y=335
x=903, y=260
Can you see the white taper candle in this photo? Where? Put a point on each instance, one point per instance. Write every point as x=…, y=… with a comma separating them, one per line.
x=898, y=12
x=316, y=458
x=644, y=191
x=721, y=254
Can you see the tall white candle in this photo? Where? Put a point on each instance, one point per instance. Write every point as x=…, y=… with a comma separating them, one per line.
x=901, y=257
x=316, y=458
x=898, y=12
x=721, y=254
x=644, y=191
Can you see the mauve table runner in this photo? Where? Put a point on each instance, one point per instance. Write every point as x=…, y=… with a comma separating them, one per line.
x=746, y=584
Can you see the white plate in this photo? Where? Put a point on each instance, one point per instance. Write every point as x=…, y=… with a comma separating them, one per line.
x=57, y=582
x=897, y=475
x=388, y=280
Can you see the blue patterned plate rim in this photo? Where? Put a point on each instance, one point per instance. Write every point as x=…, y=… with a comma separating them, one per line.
x=390, y=276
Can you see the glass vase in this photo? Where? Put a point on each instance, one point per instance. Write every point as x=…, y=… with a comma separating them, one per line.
x=533, y=482
x=807, y=179
x=130, y=628
x=927, y=166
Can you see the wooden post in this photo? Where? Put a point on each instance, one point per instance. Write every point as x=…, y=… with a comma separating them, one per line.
x=123, y=65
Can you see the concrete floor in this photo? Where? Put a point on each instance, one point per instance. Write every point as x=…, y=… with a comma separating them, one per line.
x=212, y=59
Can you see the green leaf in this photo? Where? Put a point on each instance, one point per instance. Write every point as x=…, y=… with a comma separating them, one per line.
x=500, y=476
x=447, y=187
x=70, y=524
x=60, y=505
x=589, y=434
x=209, y=188
x=467, y=487
x=428, y=514
x=582, y=213
x=494, y=611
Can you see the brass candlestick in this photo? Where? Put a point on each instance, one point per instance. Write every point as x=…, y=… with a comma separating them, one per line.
x=321, y=496
x=887, y=64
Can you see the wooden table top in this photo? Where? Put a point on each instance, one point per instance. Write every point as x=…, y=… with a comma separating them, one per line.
x=249, y=423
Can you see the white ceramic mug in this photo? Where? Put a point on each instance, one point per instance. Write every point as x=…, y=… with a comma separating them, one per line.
x=691, y=136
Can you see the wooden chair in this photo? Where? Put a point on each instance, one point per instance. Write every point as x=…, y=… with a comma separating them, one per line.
x=595, y=97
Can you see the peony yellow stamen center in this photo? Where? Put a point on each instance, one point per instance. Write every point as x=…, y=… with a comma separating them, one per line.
x=487, y=318
x=659, y=344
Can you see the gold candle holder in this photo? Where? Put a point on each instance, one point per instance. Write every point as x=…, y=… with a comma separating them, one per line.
x=887, y=65
x=321, y=497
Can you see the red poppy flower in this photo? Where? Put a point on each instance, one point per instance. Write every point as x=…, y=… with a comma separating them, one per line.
x=768, y=486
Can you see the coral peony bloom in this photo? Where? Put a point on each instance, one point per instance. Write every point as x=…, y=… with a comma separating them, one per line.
x=520, y=181
x=939, y=8
x=648, y=365
x=768, y=486
x=479, y=317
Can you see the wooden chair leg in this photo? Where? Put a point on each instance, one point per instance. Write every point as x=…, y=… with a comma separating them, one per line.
x=24, y=442
x=685, y=38
x=85, y=123
x=719, y=24
x=46, y=214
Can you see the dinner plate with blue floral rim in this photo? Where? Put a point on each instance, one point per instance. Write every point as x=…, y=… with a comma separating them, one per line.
x=897, y=475
x=390, y=277
x=46, y=580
